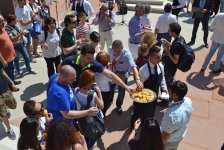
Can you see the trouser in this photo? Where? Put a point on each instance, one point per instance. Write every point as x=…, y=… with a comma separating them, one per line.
x=172, y=145
x=106, y=37
x=52, y=64
x=90, y=142
x=163, y=36
x=133, y=48
x=216, y=7
x=169, y=71
x=10, y=70
x=221, y=6
x=176, y=11
x=107, y=101
x=121, y=94
x=143, y=111
x=219, y=56
x=22, y=50
x=204, y=22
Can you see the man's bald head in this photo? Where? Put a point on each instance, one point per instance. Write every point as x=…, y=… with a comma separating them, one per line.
x=2, y=22
x=67, y=70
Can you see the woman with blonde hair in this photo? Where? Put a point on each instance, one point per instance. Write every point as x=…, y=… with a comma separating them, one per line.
x=148, y=41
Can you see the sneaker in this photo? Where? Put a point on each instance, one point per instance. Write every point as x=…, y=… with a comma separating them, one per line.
x=11, y=134
x=20, y=73
x=202, y=70
x=36, y=55
x=206, y=45
x=32, y=71
x=17, y=82
x=8, y=113
x=216, y=71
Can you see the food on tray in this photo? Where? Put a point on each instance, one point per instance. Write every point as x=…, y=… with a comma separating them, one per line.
x=143, y=96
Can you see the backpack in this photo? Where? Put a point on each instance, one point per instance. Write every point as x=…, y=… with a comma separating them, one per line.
x=187, y=58
x=90, y=126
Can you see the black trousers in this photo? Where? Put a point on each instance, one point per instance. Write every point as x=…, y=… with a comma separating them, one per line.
x=107, y=101
x=52, y=64
x=204, y=22
x=216, y=7
x=176, y=11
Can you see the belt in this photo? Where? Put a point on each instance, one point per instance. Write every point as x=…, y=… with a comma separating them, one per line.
x=105, y=30
x=164, y=33
x=133, y=42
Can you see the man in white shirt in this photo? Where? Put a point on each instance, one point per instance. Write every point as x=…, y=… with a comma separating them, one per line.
x=152, y=76
x=83, y=6
x=177, y=116
x=217, y=39
x=24, y=15
x=162, y=25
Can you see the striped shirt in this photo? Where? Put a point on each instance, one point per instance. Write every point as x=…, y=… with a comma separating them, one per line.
x=82, y=30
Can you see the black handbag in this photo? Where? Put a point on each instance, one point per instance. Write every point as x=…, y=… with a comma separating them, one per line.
x=91, y=126
x=198, y=15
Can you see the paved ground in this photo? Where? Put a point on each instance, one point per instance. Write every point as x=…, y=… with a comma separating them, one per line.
x=205, y=130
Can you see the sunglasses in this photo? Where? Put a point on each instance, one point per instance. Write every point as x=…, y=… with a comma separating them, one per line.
x=74, y=22
x=41, y=111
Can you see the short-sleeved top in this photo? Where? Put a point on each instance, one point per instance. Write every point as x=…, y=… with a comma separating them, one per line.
x=74, y=61
x=24, y=14
x=82, y=30
x=163, y=22
x=3, y=82
x=52, y=41
x=14, y=31
x=134, y=27
x=176, y=118
x=145, y=20
x=6, y=47
x=134, y=144
x=59, y=98
x=68, y=40
x=102, y=81
x=175, y=49
x=123, y=62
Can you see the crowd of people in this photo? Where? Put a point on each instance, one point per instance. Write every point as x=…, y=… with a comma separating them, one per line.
x=83, y=76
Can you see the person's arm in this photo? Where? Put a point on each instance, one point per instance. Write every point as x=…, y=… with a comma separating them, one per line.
x=134, y=130
x=74, y=114
x=98, y=99
x=88, y=9
x=163, y=82
x=112, y=19
x=3, y=61
x=143, y=74
x=165, y=137
x=96, y=19
x=70, y=49
x=174, y=58
x=156, y=31
x=137, y=78
x=9, y=80
x=116, y=79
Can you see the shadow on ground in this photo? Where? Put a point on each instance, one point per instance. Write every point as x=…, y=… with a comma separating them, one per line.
x=33, y=90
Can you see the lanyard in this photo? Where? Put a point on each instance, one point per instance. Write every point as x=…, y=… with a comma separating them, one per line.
x=77, y=62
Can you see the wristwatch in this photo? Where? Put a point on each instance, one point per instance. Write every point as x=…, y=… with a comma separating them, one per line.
x=137, y=78
x=134, y=129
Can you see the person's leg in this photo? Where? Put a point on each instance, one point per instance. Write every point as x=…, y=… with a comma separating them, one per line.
x=172, y=146
x=121, y=94
x=10, y=70
x=28, y=48
x=109, y=38
x=16, y=60
x=57, y=61
x=102, y=39
x=35, y=44
x=205, y=28
x=50, y=66
x=169, y=74
x=212, y=51
x=26, y=57
x=219, y=57
x=158, y=38
x=107, y=101
x=195, y=29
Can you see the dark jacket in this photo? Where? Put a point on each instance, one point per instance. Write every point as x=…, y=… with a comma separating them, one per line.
x=209, y=4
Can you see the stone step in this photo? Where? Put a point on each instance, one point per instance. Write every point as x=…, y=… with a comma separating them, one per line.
x=155, y=8
x=151, y=2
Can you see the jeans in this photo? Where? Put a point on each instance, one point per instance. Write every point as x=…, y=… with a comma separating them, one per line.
x=121, y=94
x=22, y=50
x=212, y=51
x=10, y=70
x=52, y=64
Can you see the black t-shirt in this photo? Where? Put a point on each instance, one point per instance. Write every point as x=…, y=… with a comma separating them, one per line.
x=74, y=61
x=134, y=144
x=176, y=49
x=3, y=82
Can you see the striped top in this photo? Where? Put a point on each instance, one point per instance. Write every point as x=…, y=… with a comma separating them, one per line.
x=82, y=30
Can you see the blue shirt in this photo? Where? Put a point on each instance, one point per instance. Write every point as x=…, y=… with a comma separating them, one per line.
x=134, y=27
x=59, y=98
x=123, y=62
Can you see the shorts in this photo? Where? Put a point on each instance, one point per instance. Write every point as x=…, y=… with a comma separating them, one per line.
x=7, y=100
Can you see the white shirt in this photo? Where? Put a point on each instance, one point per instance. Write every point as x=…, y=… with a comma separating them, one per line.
x=102, y=81
x=164, y=21
x=176, y=118
x=42, y=122
x=144, y=73
x=145, y=20
x=52, y=41
x=218, y=26
x=87, y=7
x=24, y=15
